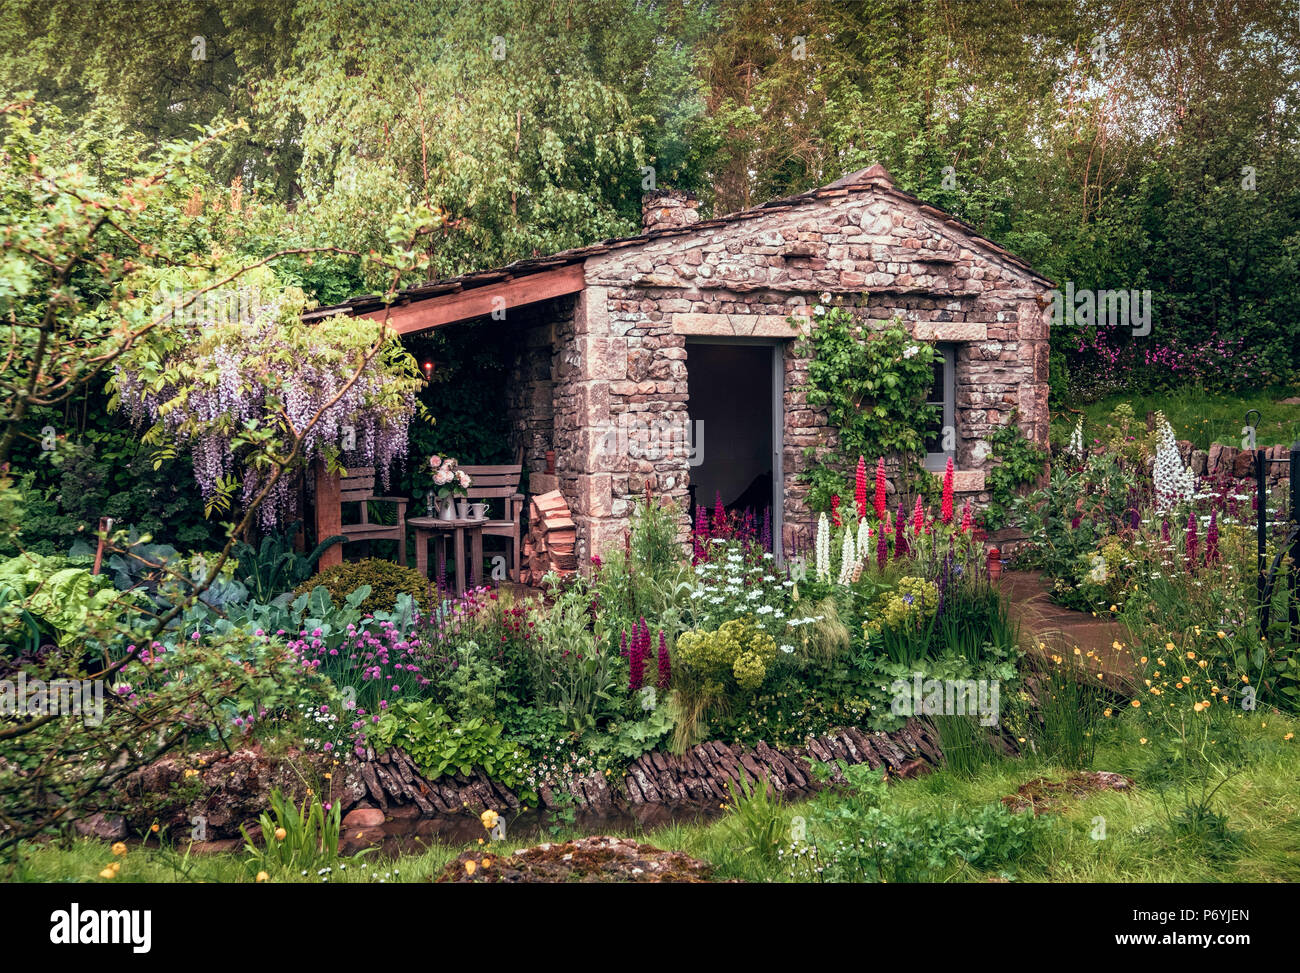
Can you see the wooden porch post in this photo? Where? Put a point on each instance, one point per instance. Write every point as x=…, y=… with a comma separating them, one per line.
x=329, y=513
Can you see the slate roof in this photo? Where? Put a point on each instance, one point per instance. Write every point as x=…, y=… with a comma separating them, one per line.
x=872, y=179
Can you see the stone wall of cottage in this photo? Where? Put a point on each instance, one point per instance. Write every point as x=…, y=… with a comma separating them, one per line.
x=530, y=388
x=871, y=249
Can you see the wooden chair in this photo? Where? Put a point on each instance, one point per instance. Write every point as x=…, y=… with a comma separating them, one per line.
x=358, y=486
x=489, y=483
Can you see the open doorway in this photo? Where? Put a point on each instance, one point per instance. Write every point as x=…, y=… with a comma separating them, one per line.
x=735, y=395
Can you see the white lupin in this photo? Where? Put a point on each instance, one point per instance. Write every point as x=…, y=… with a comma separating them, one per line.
x=1076, y=440
x=848, y=557
x=823, y=545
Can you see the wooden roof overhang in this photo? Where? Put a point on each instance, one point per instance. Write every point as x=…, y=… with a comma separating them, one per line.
x=463, y=299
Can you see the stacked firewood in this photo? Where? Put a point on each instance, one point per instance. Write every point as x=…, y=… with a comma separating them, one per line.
x=551, y=538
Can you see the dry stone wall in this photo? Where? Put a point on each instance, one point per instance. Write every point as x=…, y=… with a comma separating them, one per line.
x=873, y=249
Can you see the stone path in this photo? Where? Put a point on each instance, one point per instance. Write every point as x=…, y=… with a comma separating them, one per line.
x=1060, y=630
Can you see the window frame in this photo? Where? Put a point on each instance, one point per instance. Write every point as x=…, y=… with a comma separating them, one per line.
x=938, y=462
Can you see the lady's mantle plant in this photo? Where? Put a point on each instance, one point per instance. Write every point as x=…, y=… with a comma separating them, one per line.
x=239, y=393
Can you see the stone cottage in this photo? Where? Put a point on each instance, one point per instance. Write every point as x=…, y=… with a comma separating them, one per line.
x=667, y=361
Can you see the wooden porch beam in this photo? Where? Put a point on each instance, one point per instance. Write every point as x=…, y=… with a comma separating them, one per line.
x=481, y=301
x=329, y=514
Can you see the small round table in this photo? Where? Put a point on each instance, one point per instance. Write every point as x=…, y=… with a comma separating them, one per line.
x=436, y=527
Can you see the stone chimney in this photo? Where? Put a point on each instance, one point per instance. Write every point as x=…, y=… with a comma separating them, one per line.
x=664, y=208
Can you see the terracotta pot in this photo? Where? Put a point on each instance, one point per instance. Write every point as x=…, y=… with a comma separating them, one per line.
x=995, y=564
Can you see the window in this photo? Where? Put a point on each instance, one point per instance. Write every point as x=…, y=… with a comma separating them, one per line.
x=943, y=396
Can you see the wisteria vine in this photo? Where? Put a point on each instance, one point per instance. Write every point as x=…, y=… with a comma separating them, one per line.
x=220, y=387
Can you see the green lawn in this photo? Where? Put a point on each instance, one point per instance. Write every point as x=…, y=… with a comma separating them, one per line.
x=1197, y=416
x=1261, y=803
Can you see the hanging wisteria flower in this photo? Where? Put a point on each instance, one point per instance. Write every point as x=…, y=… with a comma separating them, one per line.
x=240, y=392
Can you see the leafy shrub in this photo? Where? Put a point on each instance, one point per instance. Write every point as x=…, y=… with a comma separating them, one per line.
x=735, y=657
x=911, y=604
x=440, y=745
x=1067, y=520
x=48, y=597
x=166, y=575
x=274, y=566
x=104, y=472
x=160, y=695
x=386, y=580
x=855, y=838
x=711, y=669
x=569, y=667
x=473, y=683
x=873, y=386
x=649, y=580
x=1020, y=462
x=296, y=838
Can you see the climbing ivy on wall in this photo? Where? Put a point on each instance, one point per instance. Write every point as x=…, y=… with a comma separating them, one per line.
x=1020, y=462
x=873, y=385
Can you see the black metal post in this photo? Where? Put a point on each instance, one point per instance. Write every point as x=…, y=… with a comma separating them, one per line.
x=1261, y=540
x=1293, y=522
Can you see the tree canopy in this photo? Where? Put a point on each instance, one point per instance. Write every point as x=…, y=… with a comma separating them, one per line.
x=1112, y=144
